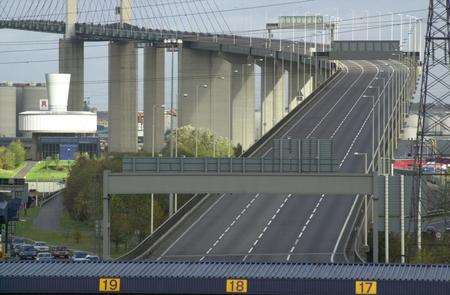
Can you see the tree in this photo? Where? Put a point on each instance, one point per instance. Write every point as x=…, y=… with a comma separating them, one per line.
x=208, y=144
x=19, y=152
x=7, y=159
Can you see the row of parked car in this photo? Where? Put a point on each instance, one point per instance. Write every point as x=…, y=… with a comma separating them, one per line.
x=25, y=249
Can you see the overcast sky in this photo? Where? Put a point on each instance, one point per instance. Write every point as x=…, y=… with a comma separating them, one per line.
x=39, y=51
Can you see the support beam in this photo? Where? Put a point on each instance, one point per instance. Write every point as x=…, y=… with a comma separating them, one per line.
x=71, y=61
x=272, y=96
x=243, y=102
x=154, y=81
x=71, y=18
x=226, y=105
x=122, y=106
x=106, y=225
x=126, y=13
x=145, y=183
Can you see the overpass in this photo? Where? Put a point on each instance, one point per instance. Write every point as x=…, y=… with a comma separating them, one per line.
x=286, y=227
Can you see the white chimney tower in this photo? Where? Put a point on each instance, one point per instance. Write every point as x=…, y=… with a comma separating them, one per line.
x=58, y=91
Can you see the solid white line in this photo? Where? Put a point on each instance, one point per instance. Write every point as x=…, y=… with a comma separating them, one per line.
x=342, y=230
x=316, y=103
x=190, y=227
x=356, y=199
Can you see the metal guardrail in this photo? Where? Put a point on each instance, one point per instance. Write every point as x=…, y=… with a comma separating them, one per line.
x=145, y=245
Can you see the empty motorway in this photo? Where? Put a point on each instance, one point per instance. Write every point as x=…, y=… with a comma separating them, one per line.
x=273, y=228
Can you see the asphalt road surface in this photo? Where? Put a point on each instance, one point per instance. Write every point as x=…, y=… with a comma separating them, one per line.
x=262, y=227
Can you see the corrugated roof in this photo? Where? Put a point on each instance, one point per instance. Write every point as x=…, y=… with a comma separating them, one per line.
x=392, y=272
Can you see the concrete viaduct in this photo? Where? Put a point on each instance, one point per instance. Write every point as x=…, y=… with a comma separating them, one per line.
x=226, y=106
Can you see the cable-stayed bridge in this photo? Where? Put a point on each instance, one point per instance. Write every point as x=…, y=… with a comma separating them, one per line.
x=355, y=94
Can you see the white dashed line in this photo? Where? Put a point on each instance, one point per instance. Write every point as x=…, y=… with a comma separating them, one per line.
x=231, y=225
x=267, y=226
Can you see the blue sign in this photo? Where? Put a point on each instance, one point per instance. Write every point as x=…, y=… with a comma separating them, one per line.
x=67, y=151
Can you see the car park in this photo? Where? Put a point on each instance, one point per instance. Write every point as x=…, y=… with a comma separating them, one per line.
x=79, y=256
x=41, y=247
x=61, y=252
x=27, y=252
x=45, y=256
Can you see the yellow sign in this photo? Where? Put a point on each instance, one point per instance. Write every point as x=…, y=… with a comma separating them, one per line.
x=365, y=288
x=237, y=286
x=109, y=285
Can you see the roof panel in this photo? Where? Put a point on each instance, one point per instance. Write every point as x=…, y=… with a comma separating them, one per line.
x=224, y=270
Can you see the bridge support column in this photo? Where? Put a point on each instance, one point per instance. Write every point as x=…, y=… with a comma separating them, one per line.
x=300, y=83
x=154, y=96
x=71, y=61
x=122, y=106
x=243, y=102
x=214, y=94
x=272, y=94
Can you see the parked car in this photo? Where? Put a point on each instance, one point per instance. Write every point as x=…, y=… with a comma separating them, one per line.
x=45, y=256
x=93, y=258
x=61, y=252
x=79, y=256
x=27, y=252
x=41, y=247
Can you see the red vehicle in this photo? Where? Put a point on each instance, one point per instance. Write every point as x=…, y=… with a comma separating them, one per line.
x=61, y=252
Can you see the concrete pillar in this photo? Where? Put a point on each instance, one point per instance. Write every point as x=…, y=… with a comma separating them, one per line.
x=197, y=68
x=122, y=106
x=243, y=102
x=300, y=83
x=71, y=61
x=154, y=98
x=71, y=18
x=226, y=106
x=126, y=13
x=272, y=94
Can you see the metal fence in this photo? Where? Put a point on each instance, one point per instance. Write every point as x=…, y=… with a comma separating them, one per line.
x=286, y=156
x=227, y=165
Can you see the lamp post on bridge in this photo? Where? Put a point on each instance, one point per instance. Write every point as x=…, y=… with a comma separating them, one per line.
x=152, y=198
x=197, y=89
x=366, y=229
x=373, y=130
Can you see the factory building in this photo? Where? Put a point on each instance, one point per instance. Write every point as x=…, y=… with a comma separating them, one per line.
x=56, y=131
x=16, y=98
x=8, y=125
x=36, y=114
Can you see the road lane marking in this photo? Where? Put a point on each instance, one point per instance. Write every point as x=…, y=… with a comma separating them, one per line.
x=227, y=229
x=261, y=235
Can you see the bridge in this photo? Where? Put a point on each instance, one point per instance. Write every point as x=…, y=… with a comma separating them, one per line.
x=355, y=94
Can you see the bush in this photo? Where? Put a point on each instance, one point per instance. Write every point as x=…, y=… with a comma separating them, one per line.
x=7, y=159
x=19, y=152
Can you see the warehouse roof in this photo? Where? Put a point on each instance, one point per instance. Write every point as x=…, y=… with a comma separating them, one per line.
x=392, y=272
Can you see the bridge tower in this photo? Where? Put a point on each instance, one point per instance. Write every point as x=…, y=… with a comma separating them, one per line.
x=122, y=105
x=71, y=58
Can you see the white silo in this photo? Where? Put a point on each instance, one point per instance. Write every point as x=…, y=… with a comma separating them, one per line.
x=31, y=96
x=7, y=111
x=58, y=91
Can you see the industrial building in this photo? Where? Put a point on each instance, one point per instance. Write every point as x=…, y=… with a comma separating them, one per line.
x=37, y=115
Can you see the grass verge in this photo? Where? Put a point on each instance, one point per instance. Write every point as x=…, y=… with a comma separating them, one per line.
x=73, y=234
x=49, y=171
x=11, y=173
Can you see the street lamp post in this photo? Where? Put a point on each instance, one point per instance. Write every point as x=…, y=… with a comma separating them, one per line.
x=196, y=115
x=373, y=129
x=366, y=229
x=152, y=200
